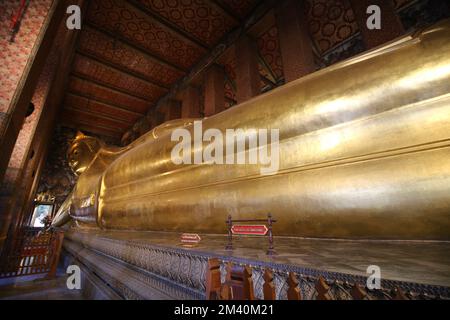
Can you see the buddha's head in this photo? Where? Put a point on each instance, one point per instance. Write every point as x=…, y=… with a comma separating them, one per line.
x=81, y=152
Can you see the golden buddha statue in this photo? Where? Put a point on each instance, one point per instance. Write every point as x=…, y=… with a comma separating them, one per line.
x=364, y=153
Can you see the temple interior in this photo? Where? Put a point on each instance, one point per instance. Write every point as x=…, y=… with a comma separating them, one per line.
x=340, y=189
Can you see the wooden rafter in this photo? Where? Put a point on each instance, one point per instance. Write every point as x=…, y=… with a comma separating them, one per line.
x=111, y=87
x=121, y=69
x=167, y=24
x=137, y=47
x=89, y=113
x=77, y=115
x=108, y=104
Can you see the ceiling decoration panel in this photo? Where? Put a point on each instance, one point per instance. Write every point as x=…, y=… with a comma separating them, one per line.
x=106, y=95
x=131, y=53
x=99, y=72
x=123, y=19
x=92, y=106
x=269, y=48
x=330, y=22
x=201, y=18
x=102, y=47
x=240, y=7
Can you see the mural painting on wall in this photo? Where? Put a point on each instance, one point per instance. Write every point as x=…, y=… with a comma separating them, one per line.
x=57, y=177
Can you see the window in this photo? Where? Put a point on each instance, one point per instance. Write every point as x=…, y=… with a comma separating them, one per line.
x=41, y=210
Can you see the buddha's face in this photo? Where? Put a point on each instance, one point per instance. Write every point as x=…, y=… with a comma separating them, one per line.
x=79, y=158
x=81, y=153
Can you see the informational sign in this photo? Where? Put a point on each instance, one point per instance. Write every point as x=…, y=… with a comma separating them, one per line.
x=190, y=238
x=259, y=230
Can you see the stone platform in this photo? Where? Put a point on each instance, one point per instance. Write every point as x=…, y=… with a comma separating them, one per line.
x=154, y=265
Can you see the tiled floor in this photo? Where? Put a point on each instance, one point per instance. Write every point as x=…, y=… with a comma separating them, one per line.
x=415, y=261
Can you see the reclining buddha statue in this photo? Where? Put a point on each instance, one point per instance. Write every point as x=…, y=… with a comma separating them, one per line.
x=364, y=153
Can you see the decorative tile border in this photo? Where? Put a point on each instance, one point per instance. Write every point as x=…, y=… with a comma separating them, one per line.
x=130, y=281
x=188, y=269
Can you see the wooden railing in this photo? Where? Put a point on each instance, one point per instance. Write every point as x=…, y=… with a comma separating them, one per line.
x=31, y=251
x=238, y=285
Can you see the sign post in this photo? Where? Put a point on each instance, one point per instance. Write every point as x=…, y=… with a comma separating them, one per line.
x=251, y=229
x=229, y=223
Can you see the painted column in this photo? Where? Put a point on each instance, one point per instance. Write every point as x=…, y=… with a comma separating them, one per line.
x=172, y=110
x=391, y=26
x=190, y=104
x=295, y=42
x=247, y=73
x=214, y=90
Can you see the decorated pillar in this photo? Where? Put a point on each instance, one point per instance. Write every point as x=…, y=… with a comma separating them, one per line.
x=171, y=110
x=390, y=24
x=190, y=104
x=295, y=42
x=214, y=90
x=247, y=73
x=150, y=117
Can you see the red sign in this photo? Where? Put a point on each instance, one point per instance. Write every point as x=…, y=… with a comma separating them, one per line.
x=258, y=229
x=190, y=238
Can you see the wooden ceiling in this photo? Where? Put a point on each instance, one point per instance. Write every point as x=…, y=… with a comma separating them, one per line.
x=130, y=53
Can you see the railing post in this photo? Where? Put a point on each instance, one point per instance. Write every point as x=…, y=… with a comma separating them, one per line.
x=358, y=293
x=238, y=284
x=268, y=287
x=233, y=286
x=213, y=279
x=56, y=250
x=323, y=289
x=249, y=291
x=226, y=291
x=271, y=250
x=293, y=292
x=398, y=294
x=229, y=223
